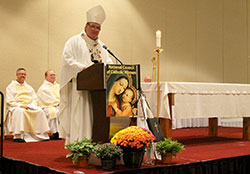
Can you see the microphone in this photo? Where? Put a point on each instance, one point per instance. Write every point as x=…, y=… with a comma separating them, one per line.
x=106, y=48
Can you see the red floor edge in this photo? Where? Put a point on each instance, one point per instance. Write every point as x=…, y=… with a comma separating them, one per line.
x=198, y=147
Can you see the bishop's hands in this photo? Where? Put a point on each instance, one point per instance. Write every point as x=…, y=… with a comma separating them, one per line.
x=24, y=107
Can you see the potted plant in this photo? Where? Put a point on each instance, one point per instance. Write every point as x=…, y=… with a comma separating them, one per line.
x=133, y=140
x=168, y=148
x=80, y=151
x=108, y=153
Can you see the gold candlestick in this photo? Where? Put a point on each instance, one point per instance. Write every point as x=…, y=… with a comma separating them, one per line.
x=158, y=50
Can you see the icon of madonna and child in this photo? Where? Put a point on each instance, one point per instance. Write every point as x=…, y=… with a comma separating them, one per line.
x=121, y=95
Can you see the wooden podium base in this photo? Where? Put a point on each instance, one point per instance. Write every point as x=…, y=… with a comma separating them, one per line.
x=100, y=132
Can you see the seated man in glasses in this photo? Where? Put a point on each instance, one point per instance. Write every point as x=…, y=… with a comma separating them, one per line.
x=48, y=99
x=25, y=120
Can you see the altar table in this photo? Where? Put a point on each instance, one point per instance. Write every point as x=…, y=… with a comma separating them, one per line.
x=200, y=100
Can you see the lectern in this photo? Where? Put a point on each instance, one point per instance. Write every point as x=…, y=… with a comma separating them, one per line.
x=93, y=80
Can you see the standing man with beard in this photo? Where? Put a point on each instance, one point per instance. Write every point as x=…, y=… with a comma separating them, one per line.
x=80, y=51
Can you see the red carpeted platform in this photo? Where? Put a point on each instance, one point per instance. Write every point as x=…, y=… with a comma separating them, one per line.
x=199, y=147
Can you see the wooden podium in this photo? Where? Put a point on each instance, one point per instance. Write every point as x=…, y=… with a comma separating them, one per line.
x=93, y=80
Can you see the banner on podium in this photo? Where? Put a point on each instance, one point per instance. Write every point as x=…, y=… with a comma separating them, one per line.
x=122, y=83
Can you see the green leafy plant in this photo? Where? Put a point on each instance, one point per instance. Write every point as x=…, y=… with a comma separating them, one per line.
x=80, y=148
x=108, y=151
x=169, y=146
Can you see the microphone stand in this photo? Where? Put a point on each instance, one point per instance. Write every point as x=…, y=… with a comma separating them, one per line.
x=2, y=133
x=106, y=48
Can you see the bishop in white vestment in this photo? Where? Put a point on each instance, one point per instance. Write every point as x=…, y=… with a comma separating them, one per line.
x=49, y=99
x=25, y=120
x=80, y=51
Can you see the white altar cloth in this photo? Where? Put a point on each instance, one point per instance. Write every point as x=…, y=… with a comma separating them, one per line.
x=199, y=100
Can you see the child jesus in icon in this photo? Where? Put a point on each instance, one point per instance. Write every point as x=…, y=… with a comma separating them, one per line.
x=126, y=108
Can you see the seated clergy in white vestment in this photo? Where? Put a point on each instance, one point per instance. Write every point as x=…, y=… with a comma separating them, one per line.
x=49, y=99
x=25, y=120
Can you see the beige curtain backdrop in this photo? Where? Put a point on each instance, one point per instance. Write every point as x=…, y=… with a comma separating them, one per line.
x=203, y=40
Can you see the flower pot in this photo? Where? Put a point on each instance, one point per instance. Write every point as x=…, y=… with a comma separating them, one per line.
x=133, y=159
x=108, y=164
x=83, y=161
x=166, y=158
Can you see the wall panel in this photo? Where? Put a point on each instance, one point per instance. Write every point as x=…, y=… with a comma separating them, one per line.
x=235, y=41
x=203, y=40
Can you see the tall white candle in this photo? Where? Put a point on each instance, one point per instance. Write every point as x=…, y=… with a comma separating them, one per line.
x=158, y=38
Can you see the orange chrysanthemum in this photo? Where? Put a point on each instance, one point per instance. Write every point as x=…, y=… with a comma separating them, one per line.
x=133, y=137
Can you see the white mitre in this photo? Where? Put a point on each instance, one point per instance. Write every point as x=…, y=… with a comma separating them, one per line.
x=96, y=14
